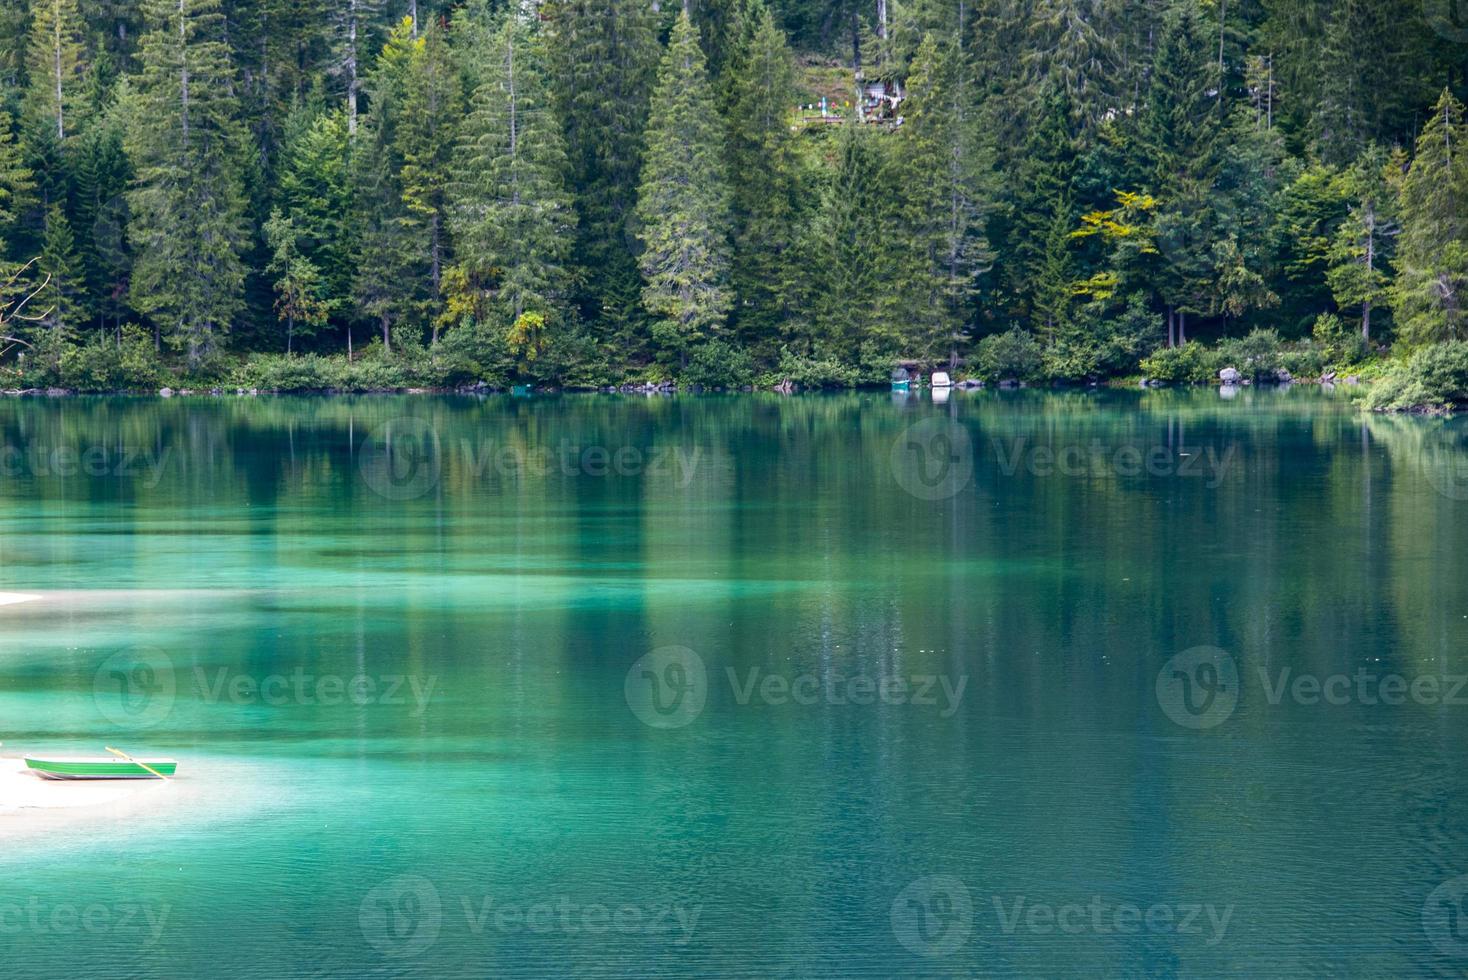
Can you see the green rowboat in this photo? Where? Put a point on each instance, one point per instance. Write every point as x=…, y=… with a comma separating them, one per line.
x=78, y=767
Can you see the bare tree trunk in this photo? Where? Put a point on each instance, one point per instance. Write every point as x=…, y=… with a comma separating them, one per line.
x=56, y=52
x=1182, y=328
x=353, y=83
x=183, y=53
x=1370, y=222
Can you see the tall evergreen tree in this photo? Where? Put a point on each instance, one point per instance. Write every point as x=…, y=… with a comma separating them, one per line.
x=353, y=30
x=55, y=64
x=425, y=132
x=943, y=203
x=1359, y=253
x=684, y=204
x=64, y=298
x=847, y=253
x=604, y=57
x=315, y=181
x=392, y=267
x=765, y=175
x=185, y=144
x=514, y=224
x=1430, y=295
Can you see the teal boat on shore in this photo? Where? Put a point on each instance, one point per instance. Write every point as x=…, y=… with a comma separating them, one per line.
x=81, y=767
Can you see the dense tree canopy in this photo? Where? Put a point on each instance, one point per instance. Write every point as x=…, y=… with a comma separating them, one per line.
x=583, y=192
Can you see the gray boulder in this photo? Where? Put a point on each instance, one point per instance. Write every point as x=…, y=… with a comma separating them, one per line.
x=1230, y=376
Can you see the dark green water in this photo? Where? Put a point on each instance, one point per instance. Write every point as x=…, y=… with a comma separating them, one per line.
x=747, y=686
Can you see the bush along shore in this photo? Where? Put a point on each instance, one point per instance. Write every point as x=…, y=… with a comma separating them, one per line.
x=1429, y=379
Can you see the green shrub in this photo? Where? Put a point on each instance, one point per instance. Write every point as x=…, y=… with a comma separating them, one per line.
x=288, y=372
x=811, y=371
x=1189, y=363
x=1014, y=355
x=1304, y=359
x=1340, y=342
x=1259, y=355
x=105, y=363
x=718, y=365
x=1433, y=378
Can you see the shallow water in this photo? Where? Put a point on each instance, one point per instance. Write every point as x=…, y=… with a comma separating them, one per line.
x=742, y=686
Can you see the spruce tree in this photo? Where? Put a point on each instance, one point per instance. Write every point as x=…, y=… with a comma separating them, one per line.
x=300, y=298
x=427, y=116
x=847, y=255
x=1360, y=251
x=316, y=191
x=684, y=204
x=943, y=201
x=17, y=182
x=392, y=267
x=185, y=144
x=101, y=175
x=64, y=298
x=604, y=57
x=55, y=65
x=514, y=223
x=1430, y=295
x=765, y=175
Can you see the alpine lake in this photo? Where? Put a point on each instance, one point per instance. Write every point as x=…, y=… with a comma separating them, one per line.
x=1006, y=684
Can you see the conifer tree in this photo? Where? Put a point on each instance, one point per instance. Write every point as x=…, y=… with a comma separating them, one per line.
x=299, y=299
x=392, y=268
x=514, y=223
x=1358, y=255
x=942, y=204
x=316, y=191
x=765, y=175
x=425, y=129
x=847, y=254
x=684, y=204
x=354, y=28
x=185, y=144
x=64, y=297
x=1430, y=295
x=17, y=182
x=604, y=57
x=55, y=64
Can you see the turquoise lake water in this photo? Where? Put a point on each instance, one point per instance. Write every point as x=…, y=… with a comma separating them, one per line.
x=1142, y=684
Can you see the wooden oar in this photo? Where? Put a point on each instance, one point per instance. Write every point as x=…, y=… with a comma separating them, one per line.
x=135, y=762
